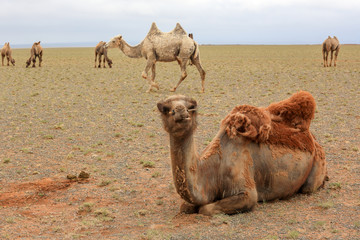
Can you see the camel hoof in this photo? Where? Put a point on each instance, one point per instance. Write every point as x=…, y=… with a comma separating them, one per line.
x=172, y=89
x=155, y=85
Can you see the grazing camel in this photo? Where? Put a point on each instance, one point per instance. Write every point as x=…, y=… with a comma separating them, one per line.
x=333, y=45
x=36, y=51
x=6, y=52
x=259, y=154
x=101, y=50
x=163, y=47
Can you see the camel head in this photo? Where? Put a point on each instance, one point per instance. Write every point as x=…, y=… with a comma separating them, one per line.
x=13, y=61
x=178, y=114
x=114, y=42
x=110, y=62
x=28, y=62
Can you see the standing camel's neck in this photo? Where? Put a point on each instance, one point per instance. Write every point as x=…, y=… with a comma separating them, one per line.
x=132, y=52
x=190, y=173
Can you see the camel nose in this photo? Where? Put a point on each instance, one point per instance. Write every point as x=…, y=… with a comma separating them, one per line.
x=180, y=113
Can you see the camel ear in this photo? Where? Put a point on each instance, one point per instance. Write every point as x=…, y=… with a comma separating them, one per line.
x=193, y=103
x=163, y=108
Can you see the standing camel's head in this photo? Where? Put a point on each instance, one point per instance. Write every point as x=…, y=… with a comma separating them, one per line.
x=13, y=61
x=114, y=42
x=178, y=114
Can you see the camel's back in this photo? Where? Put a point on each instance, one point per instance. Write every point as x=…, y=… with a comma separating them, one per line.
x=334, y=44
x=168, y=46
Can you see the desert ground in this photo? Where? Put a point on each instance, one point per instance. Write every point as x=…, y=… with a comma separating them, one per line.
x=67, y=117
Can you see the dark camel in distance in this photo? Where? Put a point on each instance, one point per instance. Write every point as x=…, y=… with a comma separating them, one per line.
x=6, y=52
x=35, y=52
x=101, y=50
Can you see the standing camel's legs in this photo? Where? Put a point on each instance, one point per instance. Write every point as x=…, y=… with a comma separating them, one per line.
x=153, y=83
x=99, y=58
x=150, y=64
x=336, y=54
x=34, y=61
x=104, y=61
x=197, y=63
x=332, y=53
x=182, y=64
x=326, y=59
x=95, y=58
x=2, y=60
x=40, y=59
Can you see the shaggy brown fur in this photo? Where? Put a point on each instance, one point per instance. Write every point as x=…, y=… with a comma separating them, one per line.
x=330, y=45
x=259, y=154
x=283, y=123
x=35, y=52
x=6, y=52
x=101, y=50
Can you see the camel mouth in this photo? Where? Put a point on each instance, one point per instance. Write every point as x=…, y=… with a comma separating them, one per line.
x=183, y=120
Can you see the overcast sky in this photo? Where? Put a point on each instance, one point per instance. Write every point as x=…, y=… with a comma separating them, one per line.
x=211, y=21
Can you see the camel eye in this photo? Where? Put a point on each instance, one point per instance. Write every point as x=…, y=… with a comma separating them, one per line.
x=173, y=112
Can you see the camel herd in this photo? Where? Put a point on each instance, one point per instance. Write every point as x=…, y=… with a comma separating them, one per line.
x=258, y=154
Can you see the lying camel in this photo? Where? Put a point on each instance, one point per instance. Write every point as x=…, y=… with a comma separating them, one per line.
x=6, y=52
x=333, y=45
x=259, y=154
x=36, y=51
x=101, y=50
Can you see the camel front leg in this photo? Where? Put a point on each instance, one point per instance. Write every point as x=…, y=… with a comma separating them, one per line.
x=34, y=61
x=336, y=54
x=104, y=62
x=150, y=64
x=40, y=59
x=95, y=59
x=242, y=202
x=2, y=60
x=183, y=74
x=332, y=53
x=325, y=54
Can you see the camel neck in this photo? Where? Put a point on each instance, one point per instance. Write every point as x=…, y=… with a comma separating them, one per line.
x=190, y=174
x=183, y=156
x=131, y=51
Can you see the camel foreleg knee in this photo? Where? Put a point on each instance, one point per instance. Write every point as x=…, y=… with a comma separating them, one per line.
x=244, y=201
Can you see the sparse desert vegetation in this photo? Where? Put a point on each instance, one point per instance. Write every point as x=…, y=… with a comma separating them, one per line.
x=67, y=117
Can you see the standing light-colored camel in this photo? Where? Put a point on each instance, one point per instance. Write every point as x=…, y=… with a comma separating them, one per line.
x=36, y=51
x=101, y=50
x=163, y=47
x=6, y=52
x=333, y=45
x=259, y=154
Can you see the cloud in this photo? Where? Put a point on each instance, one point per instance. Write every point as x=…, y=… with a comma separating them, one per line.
x=212, y=21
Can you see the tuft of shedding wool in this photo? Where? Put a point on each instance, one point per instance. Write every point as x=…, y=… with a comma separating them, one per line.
x=248, y=121
x=283, y=123
x=296, y=111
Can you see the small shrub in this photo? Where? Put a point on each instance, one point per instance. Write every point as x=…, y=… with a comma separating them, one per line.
x=104, y=183
x=326, y=205
x=293, y=234
x=147, y=164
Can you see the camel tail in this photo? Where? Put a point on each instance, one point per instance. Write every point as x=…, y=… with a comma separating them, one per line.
x=196, y=53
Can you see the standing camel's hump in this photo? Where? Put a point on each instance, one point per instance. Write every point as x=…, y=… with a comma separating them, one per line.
x=153, y=29
x=178, y=30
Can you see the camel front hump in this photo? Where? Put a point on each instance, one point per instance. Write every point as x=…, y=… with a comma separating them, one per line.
x=279, y=172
